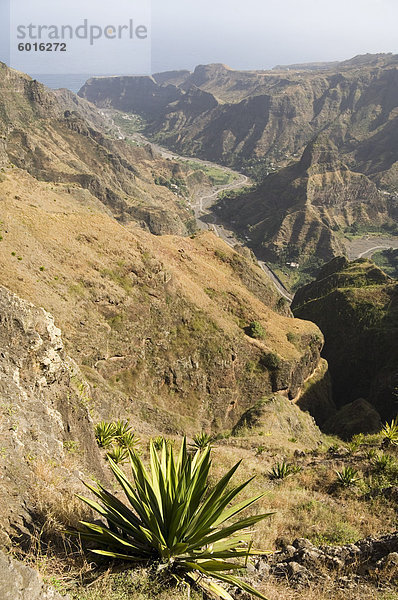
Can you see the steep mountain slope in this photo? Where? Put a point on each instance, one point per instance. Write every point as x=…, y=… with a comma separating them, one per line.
x=159, y=320
x=158, y=329
x=239, y=118
x=303, y=210
x=43, y=135
x=356, y=306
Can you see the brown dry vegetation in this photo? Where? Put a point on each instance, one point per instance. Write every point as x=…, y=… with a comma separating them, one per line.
x=135, y=309
x=308, y=504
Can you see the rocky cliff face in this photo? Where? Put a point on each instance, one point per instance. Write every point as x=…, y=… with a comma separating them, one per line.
x=355, y=305
x=42, y=413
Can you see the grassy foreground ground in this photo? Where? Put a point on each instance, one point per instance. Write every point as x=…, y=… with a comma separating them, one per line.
x=308, y=503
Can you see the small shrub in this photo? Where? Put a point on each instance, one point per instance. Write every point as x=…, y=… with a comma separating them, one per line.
x=71, y=446
x=282, y=304
x=353, y=447
x=271, y=361
x=355, y=443
x=256, y=330
x=292, y=337
x=333, y=449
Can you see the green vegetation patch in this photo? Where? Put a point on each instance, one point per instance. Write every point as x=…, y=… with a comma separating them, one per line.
x=215, y=175
x=388, y=261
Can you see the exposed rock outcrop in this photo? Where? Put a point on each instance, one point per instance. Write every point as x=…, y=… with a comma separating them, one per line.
x=282, y=417
x=20, y=582
x=357, y=417
x=372, y=559
x=42, y=411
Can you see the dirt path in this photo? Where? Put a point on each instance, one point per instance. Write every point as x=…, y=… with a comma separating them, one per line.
x=204, y=202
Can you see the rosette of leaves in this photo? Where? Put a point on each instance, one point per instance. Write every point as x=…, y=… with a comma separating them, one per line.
x=173, y=519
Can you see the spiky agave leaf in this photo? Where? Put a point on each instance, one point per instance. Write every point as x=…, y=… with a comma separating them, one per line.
x=347, y=476
x=121, y=428
x=171, y=522
x=282, y=470
x=128, y=440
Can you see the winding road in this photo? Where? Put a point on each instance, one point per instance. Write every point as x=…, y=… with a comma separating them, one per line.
x=372, y=250
x=203, y=201
x=368, y=245
x=242, y=181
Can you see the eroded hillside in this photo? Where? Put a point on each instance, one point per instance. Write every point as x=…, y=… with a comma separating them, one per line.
x=48, y=135
x=242, y=118
x=159, y=320
x=303, y=211
x=319, y=141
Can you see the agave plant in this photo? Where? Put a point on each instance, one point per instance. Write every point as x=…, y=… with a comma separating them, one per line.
x=174, y=520
x=121, y=428
x=371, y=454
x=105, y=434
x=390, y=432
x=118, y=455
x=283, y=470
x=347, y=477
x=202, y=440
x=128, y=440
x=158, y=442
x=383, y=462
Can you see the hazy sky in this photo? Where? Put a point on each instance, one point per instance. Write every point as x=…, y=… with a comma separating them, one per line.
x=263, y=33
x=260, y=33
